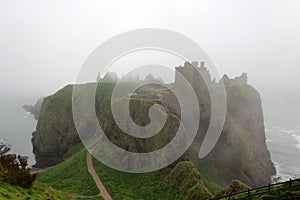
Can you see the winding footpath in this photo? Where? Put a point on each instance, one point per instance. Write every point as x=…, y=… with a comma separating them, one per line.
x=89, y=162
x=103, y=192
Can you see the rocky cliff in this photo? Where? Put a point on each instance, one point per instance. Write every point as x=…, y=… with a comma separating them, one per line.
x=34, y=109
x=240, y=153
x=55, y=131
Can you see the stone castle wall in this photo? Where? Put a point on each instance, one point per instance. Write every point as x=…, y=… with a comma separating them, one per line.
x=200, y=76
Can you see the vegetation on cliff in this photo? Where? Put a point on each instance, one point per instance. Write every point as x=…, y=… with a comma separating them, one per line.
x=14, y=169
x=240, y=153
x=181, y=182
x=36, y=192
x=234, y=187
x=69, y=175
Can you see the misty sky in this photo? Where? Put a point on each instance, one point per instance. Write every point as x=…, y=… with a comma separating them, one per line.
x=44, y=43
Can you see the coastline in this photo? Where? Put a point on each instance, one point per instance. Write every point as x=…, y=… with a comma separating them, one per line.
x=284, y=146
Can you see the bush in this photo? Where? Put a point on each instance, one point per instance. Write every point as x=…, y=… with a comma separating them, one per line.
x=234, y=187
x=13, y=169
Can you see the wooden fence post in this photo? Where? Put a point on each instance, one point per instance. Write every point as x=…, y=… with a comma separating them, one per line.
x=269, y=187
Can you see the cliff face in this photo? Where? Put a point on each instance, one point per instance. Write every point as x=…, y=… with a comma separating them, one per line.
x=55, y=131
x=240, y=153
x=243, y=140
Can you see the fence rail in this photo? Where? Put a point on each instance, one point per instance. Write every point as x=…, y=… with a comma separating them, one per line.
x=262, y=190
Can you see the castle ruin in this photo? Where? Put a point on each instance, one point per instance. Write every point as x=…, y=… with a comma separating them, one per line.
x=197, y=76
x=237, y=81
x=200, y=76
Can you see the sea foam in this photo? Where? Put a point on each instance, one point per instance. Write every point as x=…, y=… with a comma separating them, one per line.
x=297, y=138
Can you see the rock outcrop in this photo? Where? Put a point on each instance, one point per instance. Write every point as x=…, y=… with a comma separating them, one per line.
x=240, y=153
x=55, y=131
x=34, y=109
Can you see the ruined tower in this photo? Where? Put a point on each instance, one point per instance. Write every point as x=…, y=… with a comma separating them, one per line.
x=197, y=76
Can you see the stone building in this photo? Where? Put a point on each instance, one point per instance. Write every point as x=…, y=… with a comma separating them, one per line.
x=200, y=76
x=197, y=76
x=237, y=81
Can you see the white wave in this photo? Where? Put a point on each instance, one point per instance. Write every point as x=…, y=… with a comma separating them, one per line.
x=281, y=178
x=277, y=129
x=283, y=137
x=281, y=175
x=289, y=131
x=268, y=130
x=27, y=114
x=268, y=138
x=297, y=138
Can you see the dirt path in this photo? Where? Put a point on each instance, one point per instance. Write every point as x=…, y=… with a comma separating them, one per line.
x=89, y=162
x=99, y=184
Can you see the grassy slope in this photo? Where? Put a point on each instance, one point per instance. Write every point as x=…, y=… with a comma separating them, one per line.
x=37, y=192
x=70, y=175
x=160, y=184
x=134, y=186
x=180, y=182
x=211, y=180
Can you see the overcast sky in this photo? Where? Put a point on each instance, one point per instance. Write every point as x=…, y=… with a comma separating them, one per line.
x=44, y=43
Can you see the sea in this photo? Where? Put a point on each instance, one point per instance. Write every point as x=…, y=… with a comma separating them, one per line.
x=283, y=143
x=17, y=125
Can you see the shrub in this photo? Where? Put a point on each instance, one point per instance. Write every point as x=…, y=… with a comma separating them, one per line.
x=13, y=169
x=234, y=187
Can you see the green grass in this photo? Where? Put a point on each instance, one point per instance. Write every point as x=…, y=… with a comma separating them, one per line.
x=211, y=180
x=70, y=176
x=123, y=185
x=64, y=177
x=161, y=184
x=37, y=192
x=73, y=150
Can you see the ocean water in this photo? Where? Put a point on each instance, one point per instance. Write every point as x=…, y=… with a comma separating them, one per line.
x=284, y=146
x=16, y=127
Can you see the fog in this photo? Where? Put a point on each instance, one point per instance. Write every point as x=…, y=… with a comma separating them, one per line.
x=43, y=44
